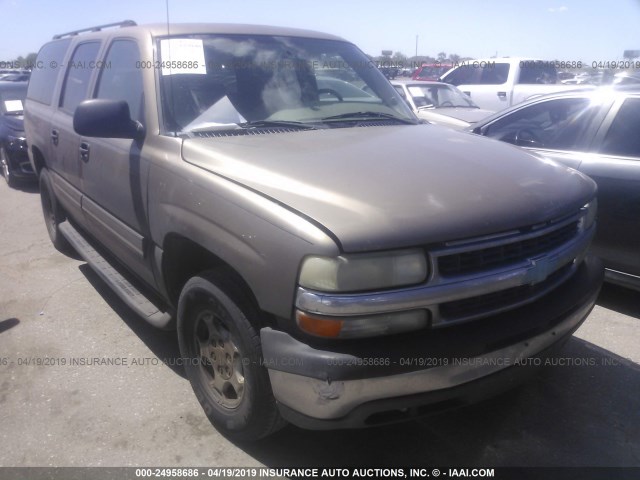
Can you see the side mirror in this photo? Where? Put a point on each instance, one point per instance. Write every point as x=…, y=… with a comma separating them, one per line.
x=106, y=119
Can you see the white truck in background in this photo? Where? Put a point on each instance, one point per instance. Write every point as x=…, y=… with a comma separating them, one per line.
x=498, y=83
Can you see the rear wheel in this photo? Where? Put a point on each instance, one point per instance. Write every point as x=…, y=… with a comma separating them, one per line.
x=53, y=213
x=220, y=346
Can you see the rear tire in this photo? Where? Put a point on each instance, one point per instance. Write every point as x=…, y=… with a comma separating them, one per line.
x=53, y=213
x=220, y=345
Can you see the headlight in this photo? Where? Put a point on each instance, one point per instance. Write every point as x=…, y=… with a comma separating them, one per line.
x=361, y=272
x=589, y=216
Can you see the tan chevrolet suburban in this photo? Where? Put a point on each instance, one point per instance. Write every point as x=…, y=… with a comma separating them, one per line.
x=326, y=259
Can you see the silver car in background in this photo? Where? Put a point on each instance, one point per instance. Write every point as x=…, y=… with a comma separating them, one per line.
x=440, y=103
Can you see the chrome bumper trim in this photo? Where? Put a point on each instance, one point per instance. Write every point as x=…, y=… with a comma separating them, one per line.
x=327, y=400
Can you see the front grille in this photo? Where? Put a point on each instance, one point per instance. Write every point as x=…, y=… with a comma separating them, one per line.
x=496, y=256
x=469, y=308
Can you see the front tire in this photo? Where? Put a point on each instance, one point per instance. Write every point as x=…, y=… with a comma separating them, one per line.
x=6, y=168
x=220, y=346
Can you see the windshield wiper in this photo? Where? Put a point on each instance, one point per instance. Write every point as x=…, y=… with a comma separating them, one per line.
x=277, y=123
x=367, y=116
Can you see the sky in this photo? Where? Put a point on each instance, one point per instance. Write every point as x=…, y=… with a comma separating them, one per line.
x=568, y=30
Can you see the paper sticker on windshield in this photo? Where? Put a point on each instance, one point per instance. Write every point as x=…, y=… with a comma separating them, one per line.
x=182, y=55
x=11, y=106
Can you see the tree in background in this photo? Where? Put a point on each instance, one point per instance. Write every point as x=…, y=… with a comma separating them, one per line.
x=21, y=62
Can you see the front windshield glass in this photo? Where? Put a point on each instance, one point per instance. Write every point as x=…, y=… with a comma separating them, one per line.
x=227, y=81
x=438, y=96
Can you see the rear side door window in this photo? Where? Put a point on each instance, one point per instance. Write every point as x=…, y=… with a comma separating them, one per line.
x=121, y=79
x=494, y=74
x=623, y=137
x=79, y=70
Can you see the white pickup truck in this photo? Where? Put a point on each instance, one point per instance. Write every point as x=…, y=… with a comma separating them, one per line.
x=498, y=83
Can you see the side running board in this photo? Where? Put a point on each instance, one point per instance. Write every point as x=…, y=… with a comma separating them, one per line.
x=136, y=300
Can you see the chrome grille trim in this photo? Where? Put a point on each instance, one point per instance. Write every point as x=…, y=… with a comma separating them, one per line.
x=541, y=271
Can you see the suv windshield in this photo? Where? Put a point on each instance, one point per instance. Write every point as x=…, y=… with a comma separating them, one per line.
x=234, y=81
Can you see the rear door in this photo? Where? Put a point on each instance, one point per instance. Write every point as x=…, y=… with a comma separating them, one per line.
x=65, y=142
x=616, y=170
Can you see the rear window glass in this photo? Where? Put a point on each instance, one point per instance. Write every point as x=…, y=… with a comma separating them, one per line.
x=479, y=73
x=537, y=73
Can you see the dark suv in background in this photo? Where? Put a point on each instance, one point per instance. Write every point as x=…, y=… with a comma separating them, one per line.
x=326, y=259
x=13, y=145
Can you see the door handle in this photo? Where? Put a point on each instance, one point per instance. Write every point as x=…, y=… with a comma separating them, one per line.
x=467, y=93
x=54, y=137
x=502, y=94
x=84, y=151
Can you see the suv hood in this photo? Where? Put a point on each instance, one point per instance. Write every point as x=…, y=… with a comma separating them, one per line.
x=388, y=187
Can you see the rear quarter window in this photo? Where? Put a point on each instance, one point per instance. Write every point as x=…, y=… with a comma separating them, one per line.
x=47, y=68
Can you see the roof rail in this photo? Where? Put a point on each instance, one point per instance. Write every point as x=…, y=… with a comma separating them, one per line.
x=124, y=23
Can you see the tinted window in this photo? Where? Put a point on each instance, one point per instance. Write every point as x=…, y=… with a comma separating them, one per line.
x=622, y=138
x=463, y=75
x=79, y=71
x=494, y=74
x=45, y=74
x=120, y=79
x=556, y=124
x=484, y=73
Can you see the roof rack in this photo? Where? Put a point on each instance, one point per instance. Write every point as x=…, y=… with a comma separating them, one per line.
x=124, y=23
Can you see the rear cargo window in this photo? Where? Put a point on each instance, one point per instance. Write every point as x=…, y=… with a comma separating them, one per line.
x=45, y=73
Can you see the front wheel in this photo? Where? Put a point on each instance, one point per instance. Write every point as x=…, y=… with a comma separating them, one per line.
x=6, y=168
x=220, y=346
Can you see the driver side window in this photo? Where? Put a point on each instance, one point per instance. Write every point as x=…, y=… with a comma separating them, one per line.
x=120, y=78
x=557, y=124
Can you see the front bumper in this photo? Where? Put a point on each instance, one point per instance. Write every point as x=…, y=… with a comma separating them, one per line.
x=17, y=160
x=375, y=381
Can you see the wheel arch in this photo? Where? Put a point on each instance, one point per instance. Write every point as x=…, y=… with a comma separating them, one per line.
x=37, y=160
x=183, y=259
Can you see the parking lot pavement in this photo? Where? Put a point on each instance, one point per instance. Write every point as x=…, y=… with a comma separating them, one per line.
x=62, y=405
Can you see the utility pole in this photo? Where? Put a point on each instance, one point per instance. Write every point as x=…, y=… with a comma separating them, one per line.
x=416, y=45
